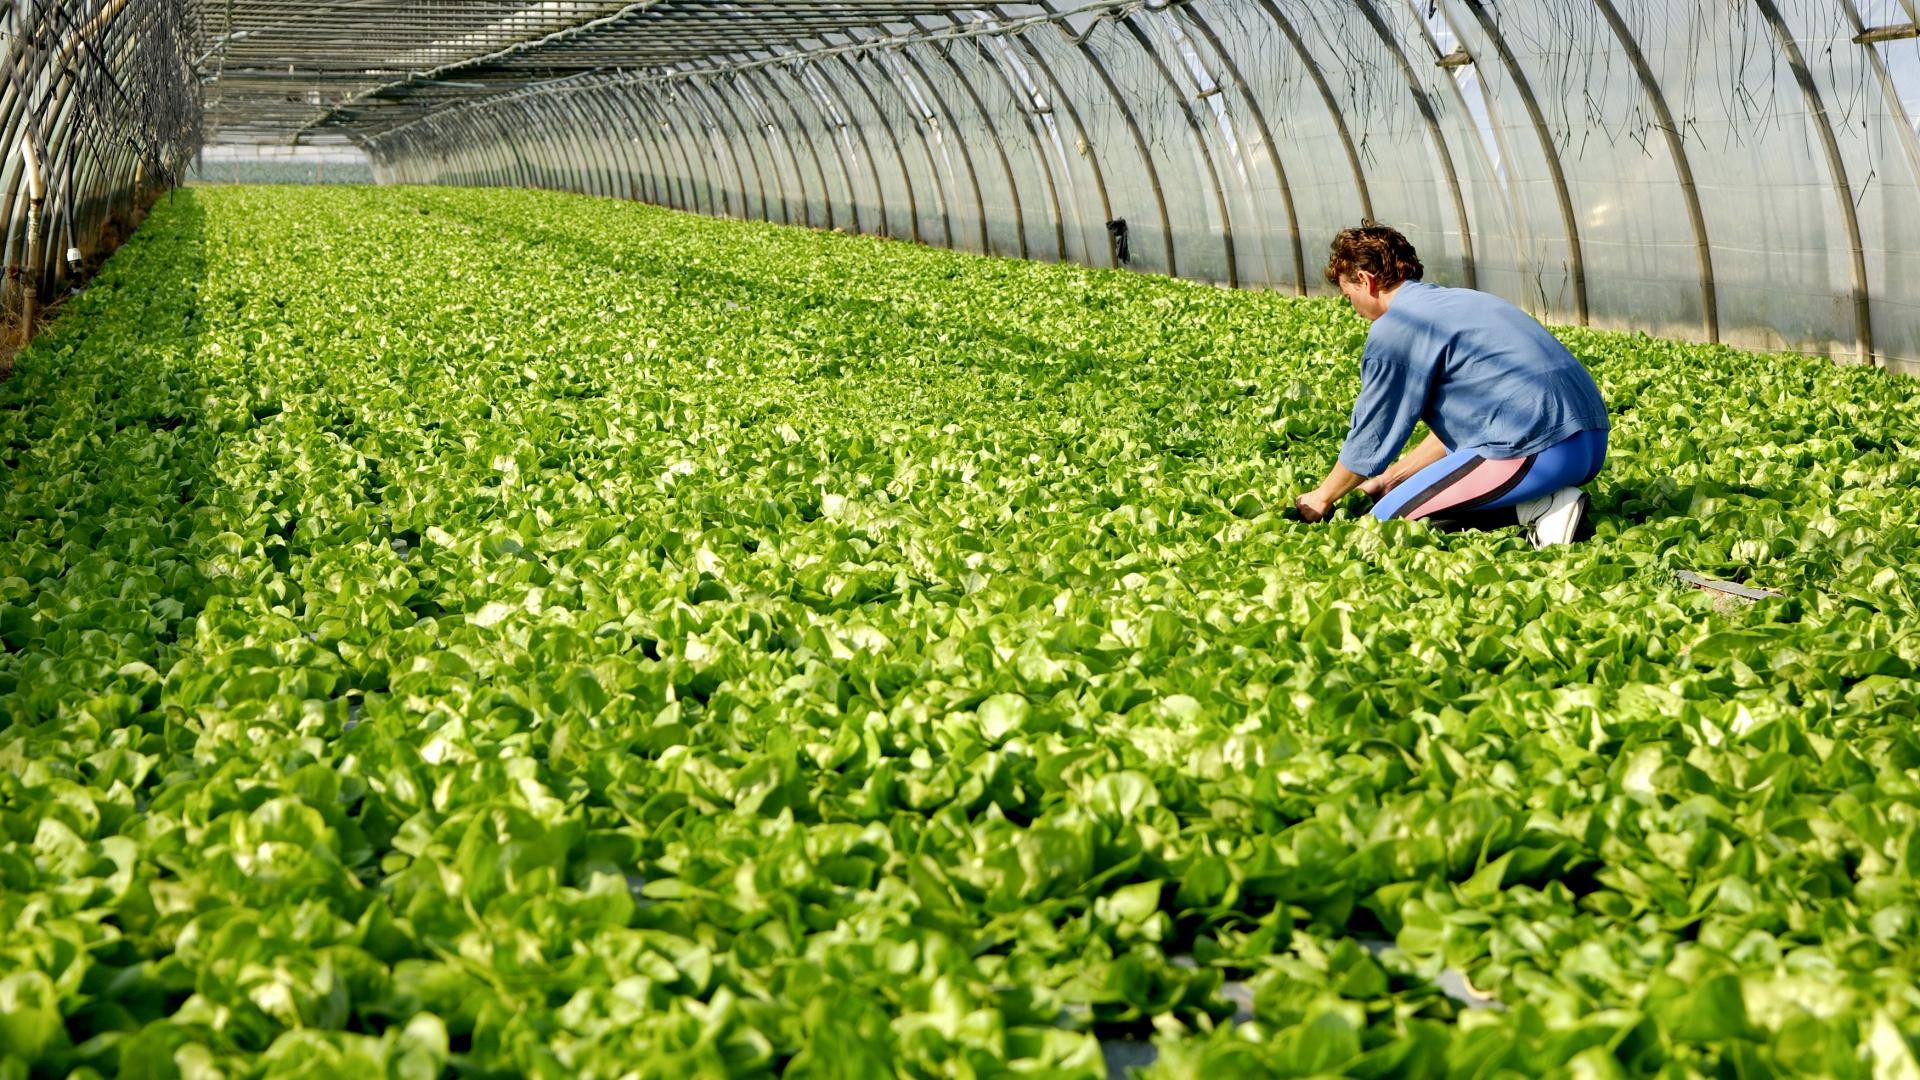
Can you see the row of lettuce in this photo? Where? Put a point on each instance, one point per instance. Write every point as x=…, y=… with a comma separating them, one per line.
x=492, y=633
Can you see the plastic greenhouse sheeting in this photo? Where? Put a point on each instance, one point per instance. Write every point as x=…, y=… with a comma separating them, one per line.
x=1738, y=172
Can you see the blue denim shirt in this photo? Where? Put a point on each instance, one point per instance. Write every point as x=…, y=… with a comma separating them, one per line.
x=1481, y=372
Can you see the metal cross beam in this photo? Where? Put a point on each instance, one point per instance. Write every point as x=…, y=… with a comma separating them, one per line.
x=280, y=70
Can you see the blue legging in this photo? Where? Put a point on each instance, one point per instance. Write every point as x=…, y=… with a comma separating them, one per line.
x=1468, y=480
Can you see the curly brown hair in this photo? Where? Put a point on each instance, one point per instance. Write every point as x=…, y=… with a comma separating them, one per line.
x=1377, y=249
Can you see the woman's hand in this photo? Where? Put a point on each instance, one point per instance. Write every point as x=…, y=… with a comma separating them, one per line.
x=1314, y=506
x=1377, y=488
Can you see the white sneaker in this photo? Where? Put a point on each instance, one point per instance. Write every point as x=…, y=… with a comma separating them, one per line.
x=1553, y=519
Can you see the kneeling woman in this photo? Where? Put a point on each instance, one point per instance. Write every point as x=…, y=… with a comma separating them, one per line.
x=1516, y=424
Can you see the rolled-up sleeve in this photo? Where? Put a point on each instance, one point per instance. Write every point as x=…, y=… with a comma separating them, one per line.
x=1393, y=394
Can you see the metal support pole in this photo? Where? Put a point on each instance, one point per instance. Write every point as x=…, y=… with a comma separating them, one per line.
x=1266, y=139
x=769, y=96
x=1065, y=101
x=993, y=138
x=1682, y=168
x=1034, y=128
x=1430, y=117
x=36, y=203
x=893, y=139
x=1837, y=168
x=1200, y=142
x=1334, y=111
x=1568, y=219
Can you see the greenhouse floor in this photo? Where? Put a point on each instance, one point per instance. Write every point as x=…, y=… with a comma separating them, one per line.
x=773, y=651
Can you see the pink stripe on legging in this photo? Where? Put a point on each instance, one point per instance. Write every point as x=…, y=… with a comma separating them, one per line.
x=1485, y=478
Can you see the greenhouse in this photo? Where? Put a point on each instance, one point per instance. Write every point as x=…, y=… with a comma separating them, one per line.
x=853, y=538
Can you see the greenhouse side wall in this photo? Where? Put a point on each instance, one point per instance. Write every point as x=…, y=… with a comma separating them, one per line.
x=89, y=155
x=1741, y=172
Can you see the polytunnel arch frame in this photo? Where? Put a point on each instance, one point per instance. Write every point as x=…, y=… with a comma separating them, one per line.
x=1202, y=147
x=626, y=165
x=713, y=96
x=1436, y=134
x=650, y=182
x=1549, y=151
x=506, y=160
x=559, y=160
x=815, y=125
x=992, y=131
x=707, y=123
x=1837, y=169
x=793, y=138
x=922, y=118
x=843, y=150
x=942, y=196
x=1473, y=136
x=727, y=93
x=1057, y=97
x=1682, y=164
x=591, y=162
x=674, y=181
x=747, y=79
x=655, y=177
x=837, y=115
x=1032, y=126
x=615, y=153
x=1328, y=99
x=698, y=180
x=744, y=87
x=957, y=132
x=81, y=146
x=1908, y=133
x=665, y=122
x=724, y=127
x=858, y=124
x=1296, y=246
x=493, y=155
x=531, y=147
x=980, y=169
